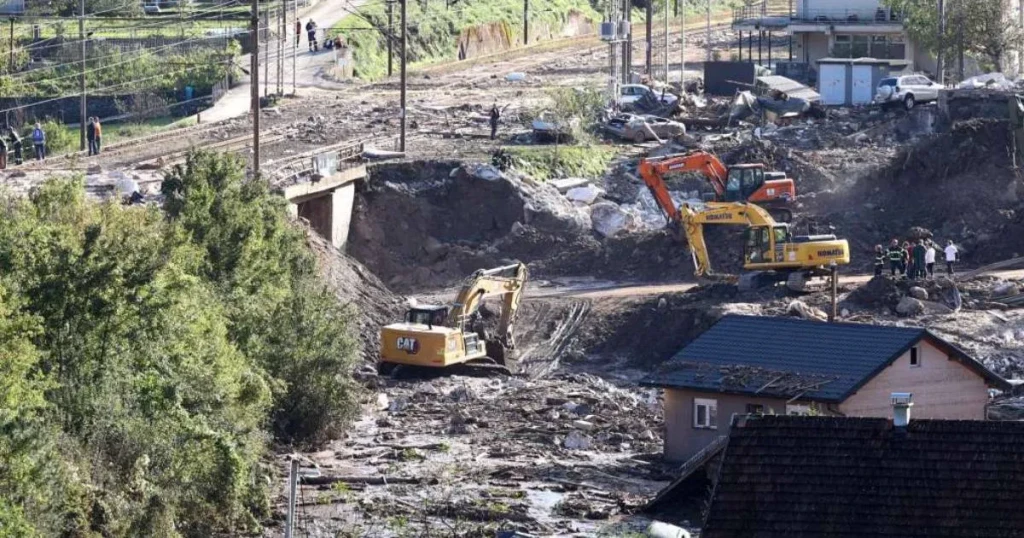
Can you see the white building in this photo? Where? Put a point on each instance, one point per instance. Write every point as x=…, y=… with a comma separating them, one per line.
x=847, y=29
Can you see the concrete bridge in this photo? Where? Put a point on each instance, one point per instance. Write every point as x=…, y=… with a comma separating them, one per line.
x=320, y=187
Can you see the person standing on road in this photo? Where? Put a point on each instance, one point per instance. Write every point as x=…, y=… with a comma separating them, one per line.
x=919, y=258
x=39, y=141
x=311, y=34
x=90, y=135
x=951, y=252
x=929, y=258
x=879, y=260
x=495, y=117
x=99, y=134
x=895, y=257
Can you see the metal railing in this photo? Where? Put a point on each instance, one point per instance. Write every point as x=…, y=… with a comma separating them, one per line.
x=758, y=12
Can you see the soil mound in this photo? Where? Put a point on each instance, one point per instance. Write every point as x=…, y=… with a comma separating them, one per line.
x=429, y=224
x=375, y=305
x=959, y=185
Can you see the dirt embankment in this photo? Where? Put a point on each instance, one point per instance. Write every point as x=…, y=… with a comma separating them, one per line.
x=959, y=185
x=419, y=226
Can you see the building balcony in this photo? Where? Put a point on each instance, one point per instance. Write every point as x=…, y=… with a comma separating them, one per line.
x=758, y=17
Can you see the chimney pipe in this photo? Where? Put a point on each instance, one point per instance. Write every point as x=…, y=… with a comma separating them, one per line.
x=901, y=404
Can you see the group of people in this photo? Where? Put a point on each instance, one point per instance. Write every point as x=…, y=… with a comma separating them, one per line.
x=913, y=259
x=12, y=146
x=314, y=43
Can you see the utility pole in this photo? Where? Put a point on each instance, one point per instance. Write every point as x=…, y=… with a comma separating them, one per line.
x=266, y=59
x=391, y=36
x=939, y=63
x=682, y=43
x=650, y=36
x=293, y=479
x=627, y=46
x=279, y=63
x=666, y=41
x=254, y=87
x=405, y=26
x=83, y=100
x=709, y=31
x=295, y=42
x=10, y=66
x=526, y=22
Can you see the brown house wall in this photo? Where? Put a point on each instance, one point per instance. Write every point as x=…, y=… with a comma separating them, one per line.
x=942, y=388
x=682, y=440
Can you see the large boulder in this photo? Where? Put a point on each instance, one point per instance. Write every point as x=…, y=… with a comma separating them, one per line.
x=879, y=291
x=909, y=306
x=610, y=220
x=919, y=293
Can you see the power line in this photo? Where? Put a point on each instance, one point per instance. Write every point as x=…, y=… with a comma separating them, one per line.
x=101, y=68
x=156, y=24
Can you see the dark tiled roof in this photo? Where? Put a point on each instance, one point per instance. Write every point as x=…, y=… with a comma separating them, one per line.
x=789, y=357
x=826, y=477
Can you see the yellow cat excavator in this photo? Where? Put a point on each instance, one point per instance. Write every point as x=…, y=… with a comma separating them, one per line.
x=771, y=252
x=437, y=336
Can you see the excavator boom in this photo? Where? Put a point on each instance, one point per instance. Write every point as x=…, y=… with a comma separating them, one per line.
x=488, y=283
x=740, y=183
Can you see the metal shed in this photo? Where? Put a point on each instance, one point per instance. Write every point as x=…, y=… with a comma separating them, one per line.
x=850, y=81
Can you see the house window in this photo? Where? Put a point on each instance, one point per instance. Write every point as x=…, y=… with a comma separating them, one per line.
x=755, y=409
x=705, y=413
x=860, y=47
x=799, y=410
x=915, y=357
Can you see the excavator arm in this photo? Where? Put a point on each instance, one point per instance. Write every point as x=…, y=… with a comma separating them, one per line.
x=508, y=281
x=653, y=171
x=693, y=222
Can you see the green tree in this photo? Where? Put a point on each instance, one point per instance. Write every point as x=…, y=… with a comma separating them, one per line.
x=984, y=28
x=281, y=316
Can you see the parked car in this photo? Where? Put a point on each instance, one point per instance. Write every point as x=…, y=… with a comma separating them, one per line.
x=908, y=89
x=631, y=93
x=639, y=128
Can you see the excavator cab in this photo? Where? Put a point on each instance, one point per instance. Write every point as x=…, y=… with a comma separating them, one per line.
x=428, y=315
x=766, y=244
x=743, y=181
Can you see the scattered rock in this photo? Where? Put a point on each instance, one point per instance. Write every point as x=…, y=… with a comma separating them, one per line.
x=583, y=425
x=1005, y=289
x=800, y=309
x=918, y=292
x=609, y=219
x=909, y=306
x=577, y=441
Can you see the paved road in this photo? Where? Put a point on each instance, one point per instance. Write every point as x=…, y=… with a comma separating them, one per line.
x=308, y=65
x=598, y=289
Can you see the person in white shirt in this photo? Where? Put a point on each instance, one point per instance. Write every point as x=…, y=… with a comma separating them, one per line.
x=929, y=259
x=951, y=253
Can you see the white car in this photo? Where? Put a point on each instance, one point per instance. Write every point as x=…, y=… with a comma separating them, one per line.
x=908, y=90
x=631, y=93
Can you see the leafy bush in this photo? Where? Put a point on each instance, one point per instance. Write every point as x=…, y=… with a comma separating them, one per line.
x=144, y=355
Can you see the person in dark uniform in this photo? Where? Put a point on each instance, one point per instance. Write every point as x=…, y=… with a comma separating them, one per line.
x=16, y=146
x=495, y=117
x=879, y=260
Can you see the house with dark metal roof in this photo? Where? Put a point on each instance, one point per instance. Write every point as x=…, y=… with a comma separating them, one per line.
x=790, y=366
x=831, y=477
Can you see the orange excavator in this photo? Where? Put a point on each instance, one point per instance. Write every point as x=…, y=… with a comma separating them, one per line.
x=738, y=183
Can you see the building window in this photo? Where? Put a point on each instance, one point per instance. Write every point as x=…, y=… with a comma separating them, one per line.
x=755, y=409
x=705, y=413
x=798, y=410
x=841, y=48
x=860, y=47
x=915, y=357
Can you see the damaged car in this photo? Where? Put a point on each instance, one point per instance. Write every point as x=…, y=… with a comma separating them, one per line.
x=641, y=128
